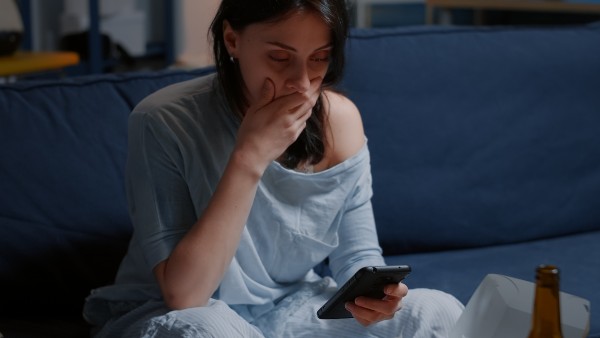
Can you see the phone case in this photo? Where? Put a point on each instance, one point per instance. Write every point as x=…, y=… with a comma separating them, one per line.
x=368, y=281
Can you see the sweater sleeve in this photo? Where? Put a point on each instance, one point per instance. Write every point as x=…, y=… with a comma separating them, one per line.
x=159, y=201
x=359, y=245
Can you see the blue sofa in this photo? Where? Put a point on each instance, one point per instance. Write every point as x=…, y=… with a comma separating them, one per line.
x=485, y=149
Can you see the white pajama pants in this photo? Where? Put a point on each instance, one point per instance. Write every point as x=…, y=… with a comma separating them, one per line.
x=425, y=313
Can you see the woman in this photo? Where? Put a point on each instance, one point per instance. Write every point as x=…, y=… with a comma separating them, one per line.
x=239, y=184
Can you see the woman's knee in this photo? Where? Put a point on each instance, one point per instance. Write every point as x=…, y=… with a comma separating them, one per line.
x=435, y=311
x=214, y=320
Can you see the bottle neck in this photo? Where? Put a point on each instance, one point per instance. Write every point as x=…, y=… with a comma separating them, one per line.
x=546, y=309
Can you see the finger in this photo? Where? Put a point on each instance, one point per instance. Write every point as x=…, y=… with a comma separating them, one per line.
x=304, y=110
x=381, y=306
x=396, y=290
x=366, y=316
x=290, y=103
x=296, y=127
x=307, y=99
x=267, y=93
x=315, y=84
x=298, y=103
x=305, y=116
x=358, y=314
x=300, y=124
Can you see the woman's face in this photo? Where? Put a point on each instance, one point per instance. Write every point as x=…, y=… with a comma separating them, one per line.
x=290, y=52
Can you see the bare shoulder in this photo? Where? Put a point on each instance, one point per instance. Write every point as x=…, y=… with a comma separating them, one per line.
x=345, y=133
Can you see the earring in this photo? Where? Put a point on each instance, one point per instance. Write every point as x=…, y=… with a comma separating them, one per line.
x=231, y=59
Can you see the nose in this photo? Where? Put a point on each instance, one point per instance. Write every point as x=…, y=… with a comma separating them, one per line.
x=298, y=79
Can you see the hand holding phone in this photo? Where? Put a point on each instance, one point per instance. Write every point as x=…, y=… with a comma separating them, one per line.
x=369, y=282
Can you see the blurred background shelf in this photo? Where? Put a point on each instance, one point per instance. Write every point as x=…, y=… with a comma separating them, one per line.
x=552, y=10
x=367, y=14
x=97, y=55
x=175, y=31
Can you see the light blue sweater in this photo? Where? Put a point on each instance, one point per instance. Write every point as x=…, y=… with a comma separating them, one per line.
x=180, y=139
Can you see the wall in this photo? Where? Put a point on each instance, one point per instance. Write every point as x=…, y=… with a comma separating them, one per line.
x=193, y=19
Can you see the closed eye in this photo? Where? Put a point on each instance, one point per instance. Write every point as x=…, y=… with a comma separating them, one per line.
x=278, y=59
x=279, y=56
x=321, y=56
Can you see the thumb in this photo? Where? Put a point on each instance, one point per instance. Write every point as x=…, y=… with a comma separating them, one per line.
x=267, y=92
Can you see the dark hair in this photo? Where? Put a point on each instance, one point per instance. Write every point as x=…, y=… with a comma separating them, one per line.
x=309, y=147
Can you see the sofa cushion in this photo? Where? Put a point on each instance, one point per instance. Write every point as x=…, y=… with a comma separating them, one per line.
x=459, y=272
x=64, y=224
x=479, y=136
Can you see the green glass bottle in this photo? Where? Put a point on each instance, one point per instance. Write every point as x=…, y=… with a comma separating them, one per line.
x=546, y=307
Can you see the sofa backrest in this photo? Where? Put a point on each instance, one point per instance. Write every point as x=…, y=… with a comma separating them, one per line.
x=479, y=136
x=64, y=225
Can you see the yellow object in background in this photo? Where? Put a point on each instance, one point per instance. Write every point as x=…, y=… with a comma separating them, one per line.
x=32, y=62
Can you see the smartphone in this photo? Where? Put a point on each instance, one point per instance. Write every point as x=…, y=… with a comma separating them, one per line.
x=369, y=282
